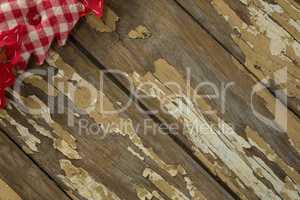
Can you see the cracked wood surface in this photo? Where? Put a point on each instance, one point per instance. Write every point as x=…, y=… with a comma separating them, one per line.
x=124, y=159
x=93, y=155
x=255, y=159
x=21, y=179
x=267, y=34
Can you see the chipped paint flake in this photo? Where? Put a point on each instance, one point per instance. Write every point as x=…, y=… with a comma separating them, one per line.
x=165, y=187
x=79, y=180
x=140, y=32
x=27, y=150
x=157, y=195
x=30, y=140
x=143, y=193
x=65, y=148
x=270, y=8
x=279, y=38
x=40, y=129
x=136, y=154
x=245, y=2
x=194, y=192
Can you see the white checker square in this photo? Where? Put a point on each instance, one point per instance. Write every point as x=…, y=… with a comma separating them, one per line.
x=58, y=11
x=63, y=27
x=33, y=35
x=49, y=31
x=5, y=7
x=12, y=23
x=40, y=51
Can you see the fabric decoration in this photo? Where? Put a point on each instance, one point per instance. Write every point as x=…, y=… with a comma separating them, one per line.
x=28, y=28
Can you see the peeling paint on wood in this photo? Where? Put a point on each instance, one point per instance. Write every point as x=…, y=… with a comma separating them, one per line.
x=133, y=152
x=30, y=140
x=113, y=124
x=79, y=180
x=271, y=42
x=140, y=32
x=62, y=140
x=118, y=126
x=134, y=59
x=194, y=192
x=256, y=141
x=223, y=144
x=169, y=190
x=144, y=194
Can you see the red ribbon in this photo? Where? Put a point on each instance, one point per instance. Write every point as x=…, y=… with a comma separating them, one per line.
x=96, y=6
x=10, y=44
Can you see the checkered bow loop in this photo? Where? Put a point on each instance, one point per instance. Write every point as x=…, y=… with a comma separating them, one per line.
x=28, y=27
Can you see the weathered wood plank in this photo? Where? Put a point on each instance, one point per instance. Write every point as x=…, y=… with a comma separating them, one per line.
x=95, y=155
x=21, y=179
x=210, y=20
x=268, y=34
x=257, y=160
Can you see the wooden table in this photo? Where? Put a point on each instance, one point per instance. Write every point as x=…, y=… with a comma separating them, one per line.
x=168, y=99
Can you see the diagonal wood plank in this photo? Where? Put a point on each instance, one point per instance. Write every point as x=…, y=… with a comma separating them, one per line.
x=204, y=13
x=21, y=179
x=98, y=155
x=255, y=158
x=267, y=34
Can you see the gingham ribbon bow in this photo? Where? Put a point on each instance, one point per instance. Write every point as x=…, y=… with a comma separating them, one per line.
x=28, y=27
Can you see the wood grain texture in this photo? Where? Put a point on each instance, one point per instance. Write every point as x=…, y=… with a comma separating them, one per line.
x=210, y=20
x=257, y=160
x=21, y=179
x=94, y=155
x=268, y=34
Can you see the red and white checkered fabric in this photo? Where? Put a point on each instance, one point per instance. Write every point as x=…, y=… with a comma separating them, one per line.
x=44, y=21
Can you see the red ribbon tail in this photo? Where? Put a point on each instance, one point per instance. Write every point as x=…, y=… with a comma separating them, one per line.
x=95, y=6
x=10, y=44
x=2, y=99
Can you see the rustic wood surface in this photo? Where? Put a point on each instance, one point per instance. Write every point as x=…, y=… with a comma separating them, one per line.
x=181, y=42
x=127, y=159
x=234, y=145
x=266, y=32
